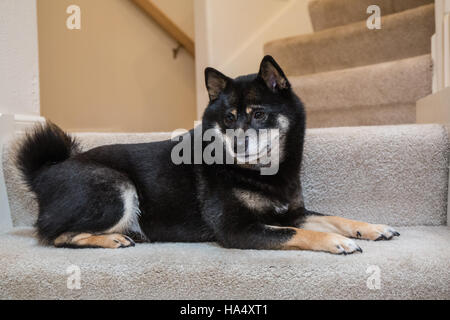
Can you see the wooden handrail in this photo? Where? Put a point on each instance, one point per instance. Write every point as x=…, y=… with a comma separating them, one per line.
x=167, y=24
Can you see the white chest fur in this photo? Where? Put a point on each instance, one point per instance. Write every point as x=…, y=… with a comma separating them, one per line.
x=259, y=202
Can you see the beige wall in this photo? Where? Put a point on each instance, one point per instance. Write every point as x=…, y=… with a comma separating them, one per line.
x=230, y=35
x=115, y=74
x=181, y=12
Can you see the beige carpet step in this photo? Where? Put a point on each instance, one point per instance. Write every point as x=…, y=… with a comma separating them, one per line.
x=413, y=266
x=379, y=94
x=327, y=14
x=403, y=35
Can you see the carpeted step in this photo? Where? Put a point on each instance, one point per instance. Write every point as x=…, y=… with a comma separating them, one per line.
x=327, y=14
x=379, y=94
x=413, y=266
x=403, y=35
x=395, y=175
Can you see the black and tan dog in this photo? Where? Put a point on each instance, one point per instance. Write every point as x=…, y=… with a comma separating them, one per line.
x=110, y=195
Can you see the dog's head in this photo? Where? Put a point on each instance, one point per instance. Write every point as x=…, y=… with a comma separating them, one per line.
x=262, y=103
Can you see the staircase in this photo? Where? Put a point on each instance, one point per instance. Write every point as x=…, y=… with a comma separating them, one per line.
x=349, y=75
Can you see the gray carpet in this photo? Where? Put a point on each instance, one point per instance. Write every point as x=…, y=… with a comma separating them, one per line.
x=379, y=94
x=349, y=75
x=413, y=266
x=403, y=35
x=327, y=14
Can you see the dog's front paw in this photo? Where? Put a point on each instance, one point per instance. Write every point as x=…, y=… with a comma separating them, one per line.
x=376, y=232
x=338, y=244
x=321, y=241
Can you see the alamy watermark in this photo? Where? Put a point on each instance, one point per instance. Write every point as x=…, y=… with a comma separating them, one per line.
x=374, y=21
x=254, y=148
x=374, y=280
x=74, y=277
x=73, y=22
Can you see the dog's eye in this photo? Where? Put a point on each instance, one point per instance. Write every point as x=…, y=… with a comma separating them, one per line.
x=259, y=115
x=229, y=119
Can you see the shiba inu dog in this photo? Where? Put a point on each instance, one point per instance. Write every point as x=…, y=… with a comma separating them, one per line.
x=114, y=195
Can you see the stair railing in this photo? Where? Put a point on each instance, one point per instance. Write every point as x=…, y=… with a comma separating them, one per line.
x=167, y=25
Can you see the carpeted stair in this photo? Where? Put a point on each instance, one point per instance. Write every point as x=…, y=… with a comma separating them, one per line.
x=384, y=93
x=315, y=62
x=396, y=175
x=327, y=14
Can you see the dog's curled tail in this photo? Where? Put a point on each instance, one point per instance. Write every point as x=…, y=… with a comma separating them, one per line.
x=45, y=145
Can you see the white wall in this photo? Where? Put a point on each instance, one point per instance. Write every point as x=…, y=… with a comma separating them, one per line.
x=19, y=78
x=6, y=128
x=230, y=35
x=19, y=72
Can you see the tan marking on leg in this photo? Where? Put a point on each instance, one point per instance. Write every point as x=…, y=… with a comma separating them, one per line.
x=320, y=241
x=234, y=112
x=349, y=228
x=68, y=237
x=112, y=241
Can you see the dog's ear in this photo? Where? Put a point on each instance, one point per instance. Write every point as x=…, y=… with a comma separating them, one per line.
x=216, y=82
x=271, y=73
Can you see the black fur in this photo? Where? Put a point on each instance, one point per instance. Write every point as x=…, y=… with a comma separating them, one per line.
x=81, y=192
x=45, y=145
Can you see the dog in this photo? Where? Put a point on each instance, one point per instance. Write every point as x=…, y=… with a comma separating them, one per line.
x=113, y=196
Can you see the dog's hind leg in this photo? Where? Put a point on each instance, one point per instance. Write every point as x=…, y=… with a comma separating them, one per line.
x=111, y=238
x=88, y=240
x=84, y=204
